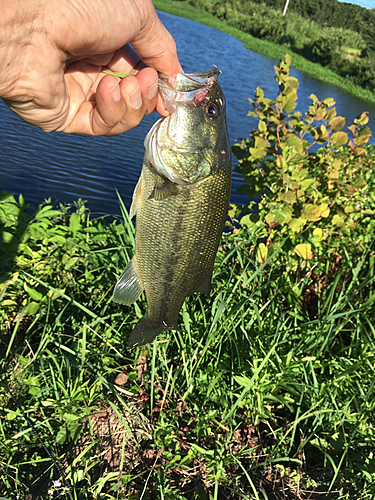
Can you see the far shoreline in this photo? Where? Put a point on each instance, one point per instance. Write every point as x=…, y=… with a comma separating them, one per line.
x=182, y=8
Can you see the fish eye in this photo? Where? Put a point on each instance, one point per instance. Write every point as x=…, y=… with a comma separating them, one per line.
x=212, y=110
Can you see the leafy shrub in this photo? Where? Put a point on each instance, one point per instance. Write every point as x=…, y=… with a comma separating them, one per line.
x=308, y=196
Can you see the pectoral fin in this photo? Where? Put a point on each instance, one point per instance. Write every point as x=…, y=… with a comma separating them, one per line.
x=136, y=198
x=206, y=283
x=164, y=190
x=128, y=288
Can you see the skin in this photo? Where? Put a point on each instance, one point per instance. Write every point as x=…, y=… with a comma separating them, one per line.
x=52, y=57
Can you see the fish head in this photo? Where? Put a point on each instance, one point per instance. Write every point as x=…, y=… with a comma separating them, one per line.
x=187, y=145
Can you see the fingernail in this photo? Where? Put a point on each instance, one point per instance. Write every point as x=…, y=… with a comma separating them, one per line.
x=151, y=93
x=116, y=94
x=136, y=99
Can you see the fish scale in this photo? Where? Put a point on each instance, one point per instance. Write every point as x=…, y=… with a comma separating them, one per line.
x=179, y=222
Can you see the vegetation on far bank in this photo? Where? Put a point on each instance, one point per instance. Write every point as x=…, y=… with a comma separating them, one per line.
x=269, y=37
x=332, y=13
x=267, y=392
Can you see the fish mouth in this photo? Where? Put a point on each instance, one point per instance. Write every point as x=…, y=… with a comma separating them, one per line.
x=188, y=88
x=187, y=82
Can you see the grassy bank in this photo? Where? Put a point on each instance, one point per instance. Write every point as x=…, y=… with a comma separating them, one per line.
x=184, y=9
x=268, y=391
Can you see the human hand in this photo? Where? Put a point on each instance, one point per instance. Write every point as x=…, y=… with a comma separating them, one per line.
x=52, y=57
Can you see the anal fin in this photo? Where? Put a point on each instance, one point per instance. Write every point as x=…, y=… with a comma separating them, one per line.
x=128, y=288
x=206, y=283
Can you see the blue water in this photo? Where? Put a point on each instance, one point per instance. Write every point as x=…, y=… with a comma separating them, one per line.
x=66, y=167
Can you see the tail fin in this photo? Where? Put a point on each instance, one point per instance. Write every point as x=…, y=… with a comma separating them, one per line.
x=145, y=331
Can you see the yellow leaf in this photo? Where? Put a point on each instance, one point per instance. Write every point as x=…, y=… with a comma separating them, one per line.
x=337, y=123
x=262, y=253
x=363, y=136
x=339, y=139
x=337, y=220
x=9, y=302
x=304, y=250
x=288, y=197
x=296, y=225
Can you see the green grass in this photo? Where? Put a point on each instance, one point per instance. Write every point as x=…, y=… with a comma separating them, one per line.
x=264, y=394
x=184, y=9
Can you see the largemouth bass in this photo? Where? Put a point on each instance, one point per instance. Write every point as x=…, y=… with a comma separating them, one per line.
x=181, y=201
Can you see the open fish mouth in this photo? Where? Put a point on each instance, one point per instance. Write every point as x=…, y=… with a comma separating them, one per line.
x=187, y=88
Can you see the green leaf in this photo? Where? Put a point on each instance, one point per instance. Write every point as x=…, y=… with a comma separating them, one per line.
x=260, y=143
x=71, y=262
x=34, y=294
x=296, y=142
x=362, y=119
x=288, y=197
x=317, y=236
x=306, y=183
x=296, y=225
x=75, y=223
x=9, y=302
x=262, y=126
x=290, y=102
x=32, y=308
x=315, y=212
x=257, y=152
x=7, y=237
x=61, y=435
x=71, y=417
x=359, y=183
x=292, y=81
x=46, y=213
x=279, y=215
x=57, y=239
x=120, y=75
x=259, y=93
x=246, y=221
x=11, y=415
x=329, y=101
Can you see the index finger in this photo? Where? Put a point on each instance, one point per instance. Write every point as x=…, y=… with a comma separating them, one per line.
x=155, y=45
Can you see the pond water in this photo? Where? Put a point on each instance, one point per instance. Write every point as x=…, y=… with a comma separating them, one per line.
x=67, y=167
